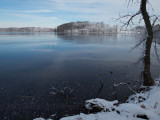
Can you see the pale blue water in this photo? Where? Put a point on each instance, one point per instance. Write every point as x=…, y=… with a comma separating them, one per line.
x=31, y=62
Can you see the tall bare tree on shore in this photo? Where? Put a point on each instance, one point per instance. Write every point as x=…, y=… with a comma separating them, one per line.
x=149, y=24
x=146, y=73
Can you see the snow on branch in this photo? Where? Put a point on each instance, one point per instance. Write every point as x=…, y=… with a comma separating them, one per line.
x=116, y=85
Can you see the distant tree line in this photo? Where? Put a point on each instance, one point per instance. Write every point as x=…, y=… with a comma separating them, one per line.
x=86, y=27
x=26, y=29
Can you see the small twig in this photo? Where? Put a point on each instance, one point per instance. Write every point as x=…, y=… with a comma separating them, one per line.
x=156, y=52
x=116, y=85
x=60, y=91
x=154, y=21
x=100, y=79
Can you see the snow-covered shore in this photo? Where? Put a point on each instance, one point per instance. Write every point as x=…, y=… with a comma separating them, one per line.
x=139, y=106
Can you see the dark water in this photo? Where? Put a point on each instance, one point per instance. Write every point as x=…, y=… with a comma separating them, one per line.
x=46, y=74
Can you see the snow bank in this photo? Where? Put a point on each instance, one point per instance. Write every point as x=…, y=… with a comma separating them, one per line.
x=101, y=104
x=140, y=106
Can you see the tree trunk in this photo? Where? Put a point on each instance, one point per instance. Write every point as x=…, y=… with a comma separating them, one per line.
x=147, y=79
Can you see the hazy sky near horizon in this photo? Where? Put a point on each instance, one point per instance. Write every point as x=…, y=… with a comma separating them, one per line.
x=50, y=13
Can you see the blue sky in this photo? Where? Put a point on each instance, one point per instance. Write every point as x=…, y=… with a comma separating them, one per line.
x=50, y=13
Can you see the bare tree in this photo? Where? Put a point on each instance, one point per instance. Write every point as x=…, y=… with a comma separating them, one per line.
x=147, y=19
x=146, y=73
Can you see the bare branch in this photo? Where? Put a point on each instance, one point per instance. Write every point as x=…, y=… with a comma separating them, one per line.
x=130, y=2
x=157, y=30
x=140, y=20
x=116, y=85
x=154, y=21
x=138, y=44
x=129, y=21
x=150, y=5
x=100, y=78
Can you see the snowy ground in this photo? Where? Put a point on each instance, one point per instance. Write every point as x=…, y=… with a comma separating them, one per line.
x=140, y=106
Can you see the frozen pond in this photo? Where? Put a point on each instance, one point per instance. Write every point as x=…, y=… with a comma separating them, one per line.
x=42, y=74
